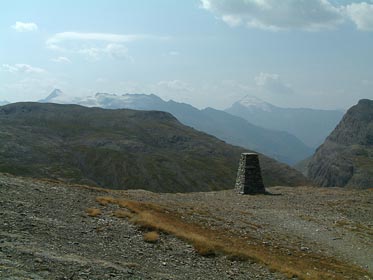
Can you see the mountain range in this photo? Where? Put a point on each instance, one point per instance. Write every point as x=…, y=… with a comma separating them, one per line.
x=279, y=145
x=345, y=159
x=121, y=149
x=311, y=126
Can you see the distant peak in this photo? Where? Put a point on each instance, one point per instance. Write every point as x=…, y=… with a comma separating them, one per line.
x=54, y=95
x=250, y=101
x=126, y=95
x=56, y=92
x=104, y=94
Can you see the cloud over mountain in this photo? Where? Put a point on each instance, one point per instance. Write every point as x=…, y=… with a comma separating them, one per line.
x=273, y=84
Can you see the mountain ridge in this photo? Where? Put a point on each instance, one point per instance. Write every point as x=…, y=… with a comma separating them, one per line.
x=311, y=126
x=345, y=159
x=121, y=149
x=277, y=144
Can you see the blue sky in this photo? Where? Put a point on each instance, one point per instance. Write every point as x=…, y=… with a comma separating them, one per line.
x=292, y=53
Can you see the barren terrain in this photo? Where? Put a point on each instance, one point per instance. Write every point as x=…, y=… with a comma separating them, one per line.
x=51, y=230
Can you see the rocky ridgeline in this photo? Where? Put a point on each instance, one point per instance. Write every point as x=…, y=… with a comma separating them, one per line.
x=346, y=157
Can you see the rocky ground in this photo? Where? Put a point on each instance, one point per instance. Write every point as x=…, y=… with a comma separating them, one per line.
x=45, y=232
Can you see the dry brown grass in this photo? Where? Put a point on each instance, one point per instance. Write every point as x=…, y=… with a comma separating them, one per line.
x=353, y=226
x=86, y=187
x=151, y=237
x=211, y=242
x=93, y=212
x=104, y=200
x=122, y=214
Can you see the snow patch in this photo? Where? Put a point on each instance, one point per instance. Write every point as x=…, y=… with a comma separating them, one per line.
x=252, y=102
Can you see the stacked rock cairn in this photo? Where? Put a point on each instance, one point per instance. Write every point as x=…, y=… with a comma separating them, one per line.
x=249, y=178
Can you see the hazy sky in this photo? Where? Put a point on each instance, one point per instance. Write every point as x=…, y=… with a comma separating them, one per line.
x=309, y=53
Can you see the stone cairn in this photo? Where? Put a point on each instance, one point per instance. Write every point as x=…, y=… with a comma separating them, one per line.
x=249, y=178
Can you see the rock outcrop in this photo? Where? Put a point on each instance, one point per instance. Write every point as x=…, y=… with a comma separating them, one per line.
x=346, y=157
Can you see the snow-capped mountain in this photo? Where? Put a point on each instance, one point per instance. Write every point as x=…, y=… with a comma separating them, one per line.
x=311, y=126
x=253, y=103
x=57, y=96
x=107, y=100
x=235, y=130
x=130, y=101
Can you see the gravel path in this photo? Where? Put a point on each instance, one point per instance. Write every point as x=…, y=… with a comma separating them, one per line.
x=332, y=222
x=46, y=234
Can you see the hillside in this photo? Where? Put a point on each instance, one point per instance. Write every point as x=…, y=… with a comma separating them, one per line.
x=346, y=157
x=279, y=145
x=121, y=149
x=52, y=230
x=311, y=126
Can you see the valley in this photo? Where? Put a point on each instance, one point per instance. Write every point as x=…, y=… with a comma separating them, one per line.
x=127, y=194
x=275, y=142
x=186, y=140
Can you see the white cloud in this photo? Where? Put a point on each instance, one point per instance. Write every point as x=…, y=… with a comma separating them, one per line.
x=361, y=14
x=263, y=78
x=107, y=37
x=92, y=53
x=57, y=39
x=275, y=14
x=117, y=51
x=25, y=26
x=310, y=15
x=273, y=84
x=61, y=59
x=175, y=85
x=21, y=68
x=95, y=45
